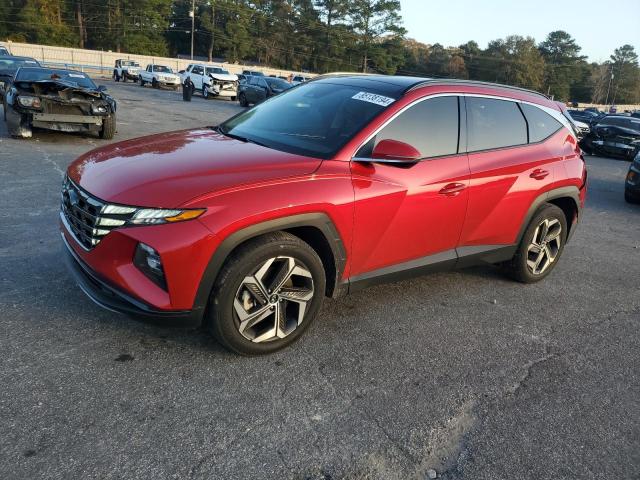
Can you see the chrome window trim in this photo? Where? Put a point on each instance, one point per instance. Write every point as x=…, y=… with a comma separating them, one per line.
x=557, y=115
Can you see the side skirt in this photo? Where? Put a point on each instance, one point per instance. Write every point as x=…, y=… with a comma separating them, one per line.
x=462, y=257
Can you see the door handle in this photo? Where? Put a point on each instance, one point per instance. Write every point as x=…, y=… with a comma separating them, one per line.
x=452, y=189
x=539, y=174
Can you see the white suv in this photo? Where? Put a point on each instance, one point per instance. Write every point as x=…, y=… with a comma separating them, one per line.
x=212, y=80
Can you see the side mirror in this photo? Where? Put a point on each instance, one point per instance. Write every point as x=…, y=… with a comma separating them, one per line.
x=102, y=88
x=394, y=151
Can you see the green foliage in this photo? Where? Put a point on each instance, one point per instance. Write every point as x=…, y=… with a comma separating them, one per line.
x=319, y=36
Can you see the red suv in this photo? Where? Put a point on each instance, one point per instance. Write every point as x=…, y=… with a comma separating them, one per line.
x=337, y=184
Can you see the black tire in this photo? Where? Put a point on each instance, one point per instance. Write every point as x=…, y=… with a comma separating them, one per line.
x=124, y=78
x=205, y=92
x=233, y=99
x=222, y=318
x=108, y=129
x=518, y=268
x=154, y=83
x=630, y=198
x=141, y=82
x=116, y=77
x=243, y=100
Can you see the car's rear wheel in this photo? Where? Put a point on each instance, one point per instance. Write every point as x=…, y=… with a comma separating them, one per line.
x=541, y=246
x=267, y=294
x=243, y=100
x=108, y=129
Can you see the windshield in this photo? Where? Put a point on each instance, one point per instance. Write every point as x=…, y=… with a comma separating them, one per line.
x=37, y=74
x=162, y=69
x=277, y=83
x=314, y=119
x=8, y=63
x=217, y=70
x=630, y=123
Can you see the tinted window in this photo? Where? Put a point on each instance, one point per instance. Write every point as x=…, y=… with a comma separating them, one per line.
x=277, y=83
x=541, y=124
x=494, y=124
x=253, y=80
x=198, y=70
x=430, y=126
x=315, y=119
x=629, y=122
x=10, y=63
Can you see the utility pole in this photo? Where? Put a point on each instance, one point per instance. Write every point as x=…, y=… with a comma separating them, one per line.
x=193, y=23
x=606, y=102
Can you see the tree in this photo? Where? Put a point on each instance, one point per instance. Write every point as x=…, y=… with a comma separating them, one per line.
x=513, y=61
x=626, y=84
x=563, y=64
x=45, y=21
x=371, y=19
x=332, y=16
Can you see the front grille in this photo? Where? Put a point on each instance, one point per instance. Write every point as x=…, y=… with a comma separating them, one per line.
x=54, y=107
x=85, y=217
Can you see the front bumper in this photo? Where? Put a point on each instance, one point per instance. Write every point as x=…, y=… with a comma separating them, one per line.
x=110, y=297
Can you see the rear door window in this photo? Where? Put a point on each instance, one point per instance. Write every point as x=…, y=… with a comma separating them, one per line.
x=494, y=124
x=541, y=124
x=430, y=126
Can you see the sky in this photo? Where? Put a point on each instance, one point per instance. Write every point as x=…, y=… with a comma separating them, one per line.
x=598, y=26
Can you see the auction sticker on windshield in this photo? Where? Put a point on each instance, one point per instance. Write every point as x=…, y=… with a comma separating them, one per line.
x=374, y=98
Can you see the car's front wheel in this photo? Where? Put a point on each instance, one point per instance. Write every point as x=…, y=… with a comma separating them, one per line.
x=108, y=129
x=541, y=246
x=268, y=293
x=205, y=92
x=630, y=197
x=243, y=100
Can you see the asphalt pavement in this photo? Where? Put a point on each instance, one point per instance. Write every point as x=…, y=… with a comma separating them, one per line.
x=467, y=374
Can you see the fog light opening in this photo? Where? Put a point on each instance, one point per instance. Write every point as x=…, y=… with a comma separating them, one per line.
x=148, y=261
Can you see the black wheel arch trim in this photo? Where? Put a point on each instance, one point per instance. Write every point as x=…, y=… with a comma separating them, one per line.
x=321, y=221
x=571, y=192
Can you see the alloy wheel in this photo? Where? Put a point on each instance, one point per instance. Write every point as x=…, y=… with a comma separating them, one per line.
x=271, y=303
x=545, y=246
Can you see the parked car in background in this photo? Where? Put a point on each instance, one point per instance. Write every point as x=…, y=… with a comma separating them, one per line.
x=584, y=116
x=4, y=50
x=632, y=184
x=159, y=76
x=635, y=114
x=253, y=73
x=126, y=70
x=582, y=129
x=335, y=185
x=614, y=135
x=298, y=79
x=258, y=89
x=55, y=99
x=9, y=65
x=212, y=80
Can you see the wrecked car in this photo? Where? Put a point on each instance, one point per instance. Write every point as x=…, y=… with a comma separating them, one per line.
x=62, y=100
x=615, y=136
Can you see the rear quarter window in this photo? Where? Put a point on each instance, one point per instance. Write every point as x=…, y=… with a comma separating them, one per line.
x=541, y=124
x=494, y=124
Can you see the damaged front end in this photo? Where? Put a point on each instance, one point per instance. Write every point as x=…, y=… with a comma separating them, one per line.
x=57, y=105
x=612, y=140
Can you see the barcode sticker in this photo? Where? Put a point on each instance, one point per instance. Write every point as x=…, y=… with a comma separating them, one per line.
x=373, y=98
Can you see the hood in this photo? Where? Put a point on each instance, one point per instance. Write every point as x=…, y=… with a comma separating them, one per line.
x=168, y=170
x=225, y=77
x=44, y=86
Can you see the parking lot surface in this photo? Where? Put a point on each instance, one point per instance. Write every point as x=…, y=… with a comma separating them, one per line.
x=466, y=373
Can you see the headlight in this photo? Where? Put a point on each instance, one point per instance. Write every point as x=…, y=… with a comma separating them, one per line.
x=153, y=216
x=31, y=102
x=99, y=109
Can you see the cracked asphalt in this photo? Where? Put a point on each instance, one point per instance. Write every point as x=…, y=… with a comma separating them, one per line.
x=466, y=373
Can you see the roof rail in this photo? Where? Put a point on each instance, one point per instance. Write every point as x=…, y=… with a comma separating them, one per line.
x=455, y=81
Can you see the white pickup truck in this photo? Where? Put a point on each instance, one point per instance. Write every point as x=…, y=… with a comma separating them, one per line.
x=159, y=76
x=126, y=70
x=212, y=80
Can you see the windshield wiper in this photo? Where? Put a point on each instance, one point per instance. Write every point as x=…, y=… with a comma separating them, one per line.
x=238, y=137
